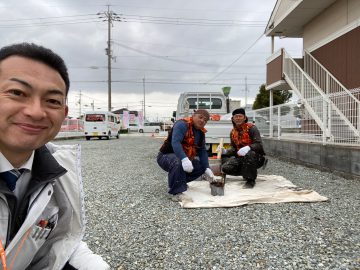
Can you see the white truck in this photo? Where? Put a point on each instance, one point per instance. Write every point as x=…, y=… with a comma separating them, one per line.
x=218, y=106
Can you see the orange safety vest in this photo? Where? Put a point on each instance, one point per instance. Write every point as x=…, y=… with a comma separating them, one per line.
x=188, y=144
x=240, y=136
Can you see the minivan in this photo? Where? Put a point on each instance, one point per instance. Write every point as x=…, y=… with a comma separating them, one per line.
x=101, y=124
x=150, y=127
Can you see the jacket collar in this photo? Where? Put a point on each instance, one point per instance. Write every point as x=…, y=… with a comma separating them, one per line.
x=45, y=167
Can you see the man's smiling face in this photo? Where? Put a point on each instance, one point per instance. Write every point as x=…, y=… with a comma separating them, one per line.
x=32, y=104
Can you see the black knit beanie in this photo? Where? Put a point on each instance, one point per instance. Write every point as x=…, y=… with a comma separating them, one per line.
x=239, y=111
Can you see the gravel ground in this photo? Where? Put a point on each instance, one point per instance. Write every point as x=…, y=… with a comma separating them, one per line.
x=133, y=225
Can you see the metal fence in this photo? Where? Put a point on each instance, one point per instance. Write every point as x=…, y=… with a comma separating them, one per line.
x=72, y=125
x=293, y=122
x=328, y=112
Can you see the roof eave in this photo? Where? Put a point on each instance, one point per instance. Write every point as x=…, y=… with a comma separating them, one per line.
x=292, y=23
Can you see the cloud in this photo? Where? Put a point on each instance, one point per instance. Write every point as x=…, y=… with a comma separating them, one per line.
x=176, y=46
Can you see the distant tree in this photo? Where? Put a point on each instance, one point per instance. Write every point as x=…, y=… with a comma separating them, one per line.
x=263, y=98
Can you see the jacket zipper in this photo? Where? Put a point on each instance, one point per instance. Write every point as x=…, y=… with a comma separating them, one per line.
x=7, y=238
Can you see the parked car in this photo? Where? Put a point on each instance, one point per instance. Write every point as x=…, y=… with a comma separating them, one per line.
x=150, y=127
x=263, y=125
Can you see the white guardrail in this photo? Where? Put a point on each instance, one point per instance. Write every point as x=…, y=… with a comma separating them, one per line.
x=293, y=122
x=69, y=134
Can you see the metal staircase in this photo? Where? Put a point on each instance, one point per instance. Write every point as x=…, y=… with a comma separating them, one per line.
x=331, y=106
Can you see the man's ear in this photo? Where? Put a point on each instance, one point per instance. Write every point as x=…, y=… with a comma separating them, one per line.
x=66, y=110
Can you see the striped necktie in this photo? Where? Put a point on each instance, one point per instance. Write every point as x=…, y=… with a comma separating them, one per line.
x=11, y=177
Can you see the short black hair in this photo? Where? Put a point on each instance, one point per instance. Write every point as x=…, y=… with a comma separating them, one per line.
x=203, y=112
x=38, y=53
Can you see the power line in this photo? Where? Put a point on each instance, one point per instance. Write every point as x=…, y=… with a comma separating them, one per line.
x=189, y=24
x=237, y=11
x=162, y=57
x=175, y=71
x=39, y=24
x=194, y=55
x=93, y=98
x=46, y=18
x=172, y=46
x=49, y=21
x=190, y=21
x=88, y=4
x=237, y=59
x=145, y=17
x=154, y=79
x=158, y=82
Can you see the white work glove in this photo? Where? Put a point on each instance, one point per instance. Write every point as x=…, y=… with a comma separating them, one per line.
x=222, y=149
x=187, y=165
x=209, y=175
x=243, y=151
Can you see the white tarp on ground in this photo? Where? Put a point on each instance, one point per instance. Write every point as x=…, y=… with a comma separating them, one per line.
x=268, y=189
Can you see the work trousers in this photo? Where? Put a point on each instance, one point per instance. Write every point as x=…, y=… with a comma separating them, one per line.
x=245, y=166
x=177, y=177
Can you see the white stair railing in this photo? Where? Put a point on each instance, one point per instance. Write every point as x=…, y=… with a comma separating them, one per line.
x=321, y=108
x=347, y=103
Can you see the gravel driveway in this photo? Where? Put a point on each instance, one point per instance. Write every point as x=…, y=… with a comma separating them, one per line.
x=133, y=225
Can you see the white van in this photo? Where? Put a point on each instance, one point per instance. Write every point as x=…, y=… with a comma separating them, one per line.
x=101, y=124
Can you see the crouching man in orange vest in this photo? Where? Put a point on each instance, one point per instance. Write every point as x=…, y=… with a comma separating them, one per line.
x=183, y=154
x=246, y=153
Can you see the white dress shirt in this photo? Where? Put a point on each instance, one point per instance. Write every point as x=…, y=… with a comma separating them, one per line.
x=23, y=181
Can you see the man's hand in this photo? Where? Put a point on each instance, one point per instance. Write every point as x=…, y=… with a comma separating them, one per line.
x=222, y=149
x=243, y=151
x=187, y=165
x=209, y=175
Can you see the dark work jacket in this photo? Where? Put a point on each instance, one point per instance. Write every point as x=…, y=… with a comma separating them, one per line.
x=167, y=148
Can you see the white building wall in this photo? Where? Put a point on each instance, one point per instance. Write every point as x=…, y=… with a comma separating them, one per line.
x=354, y=10
x=332, y=20
x=284, y=6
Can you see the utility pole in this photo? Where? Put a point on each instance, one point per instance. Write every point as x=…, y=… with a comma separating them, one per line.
x=142, y=107
x=246, y=90
x=109, y=54
x=109, y=16
x=80, y=104
x=144, y=96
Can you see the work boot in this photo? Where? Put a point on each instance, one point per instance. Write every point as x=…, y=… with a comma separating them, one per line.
x=250, y=183
x=176, y=197
x=180, y=197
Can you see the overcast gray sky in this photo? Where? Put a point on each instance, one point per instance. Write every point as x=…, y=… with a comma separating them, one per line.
x=177, y=46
